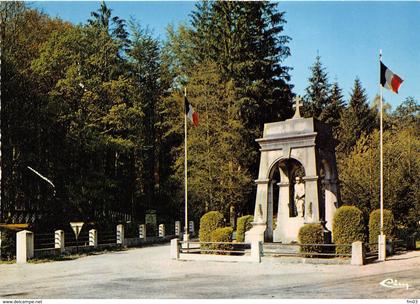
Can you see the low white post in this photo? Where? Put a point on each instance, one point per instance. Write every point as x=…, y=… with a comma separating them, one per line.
x=357, y=253
x=177, y=228
x=142, y=231
x=381, y=247
x=174, y=249
x=93, y=238
x=24, y=246
x=120, y=234
x=191, y=228
x=59, y=240
x=161, y=230
x=256, y=249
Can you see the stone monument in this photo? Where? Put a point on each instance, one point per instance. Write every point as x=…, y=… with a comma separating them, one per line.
x=301, y=153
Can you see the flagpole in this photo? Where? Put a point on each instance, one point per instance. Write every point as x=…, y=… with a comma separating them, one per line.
x=186, y=235
x=381, y=154
x=381, y=237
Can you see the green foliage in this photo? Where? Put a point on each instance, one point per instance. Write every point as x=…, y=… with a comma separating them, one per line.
x=243, y=224
x=318, y=91
x=218, y=178
x=357, y=119
x=246, y=45
x=311, y=234
x=333, y=111
x=209, y=222
x=222, y=235
x=375, y=224
x=348, y=227
x=359, y=175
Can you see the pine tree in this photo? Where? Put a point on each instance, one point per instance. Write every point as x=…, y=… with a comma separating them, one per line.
x=332, y=112
x=357, y=119
x=317, y=93
x=245, y=41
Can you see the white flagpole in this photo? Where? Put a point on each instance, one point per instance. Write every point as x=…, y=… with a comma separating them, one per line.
x=381, y=237
x=186, y=235
x=381, y=154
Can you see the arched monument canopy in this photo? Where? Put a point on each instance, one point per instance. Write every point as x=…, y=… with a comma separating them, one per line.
x=303, y=143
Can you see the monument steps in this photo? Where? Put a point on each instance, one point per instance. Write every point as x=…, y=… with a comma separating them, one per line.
x=273, y=249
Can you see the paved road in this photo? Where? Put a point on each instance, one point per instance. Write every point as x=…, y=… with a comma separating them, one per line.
x=150, y=273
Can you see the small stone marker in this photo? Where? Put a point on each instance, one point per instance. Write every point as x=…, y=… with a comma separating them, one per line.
x=142, y=231
x=93, y=238
x=357, y=253
x=177, y=228
x=191, y=228
x=120, y=234
x=161, y=230
x=77, y=227
x=59, y=240
x=24, y=246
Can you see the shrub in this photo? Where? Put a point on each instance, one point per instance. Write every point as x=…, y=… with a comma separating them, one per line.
x=348, y=227
x=311, y=234
x=208, y=223
x=242, y=226
x=375, y=223
x=222, y=235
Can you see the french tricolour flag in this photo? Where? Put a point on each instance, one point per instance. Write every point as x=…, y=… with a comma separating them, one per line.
x=189, y=111
x=390, y=80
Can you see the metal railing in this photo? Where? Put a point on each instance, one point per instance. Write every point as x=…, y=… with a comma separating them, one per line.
x=310, y=250
x=107, y=237
x=230, y=248
x=44, y=241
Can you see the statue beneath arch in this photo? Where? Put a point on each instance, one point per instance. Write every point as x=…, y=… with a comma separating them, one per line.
x=297, y=182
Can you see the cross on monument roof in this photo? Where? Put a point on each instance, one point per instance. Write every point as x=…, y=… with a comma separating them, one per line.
x=297, y=105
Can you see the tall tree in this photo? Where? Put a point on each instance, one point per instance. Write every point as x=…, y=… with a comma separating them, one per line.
x=333, y=110
x=318, y=92
x=246, y=42
x=26, y=125
x=115, y=26
x=153, y=81
x=217, y=180
x=357, y=119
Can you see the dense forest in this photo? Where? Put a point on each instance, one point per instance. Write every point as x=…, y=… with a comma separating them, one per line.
x=98, y=109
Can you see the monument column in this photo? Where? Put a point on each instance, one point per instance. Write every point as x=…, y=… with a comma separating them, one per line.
x=283, y=205
x=262, y=200
x=270, y=207
x=311, y=199
x=330, y=201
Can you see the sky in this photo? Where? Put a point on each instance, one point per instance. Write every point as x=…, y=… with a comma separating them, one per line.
x=347, y=36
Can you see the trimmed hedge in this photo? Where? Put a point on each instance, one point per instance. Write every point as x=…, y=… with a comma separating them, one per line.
x=348, y=227
x=222, y=235
x=208, y=223
x=375, y=226
x=242, y=226
x=311, y=234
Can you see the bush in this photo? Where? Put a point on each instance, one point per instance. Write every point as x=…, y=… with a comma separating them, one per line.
x=311, y=234
x=348, y=227
x=222, y=235
x=242, y=226
x=208, y=223
x=375, y=226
